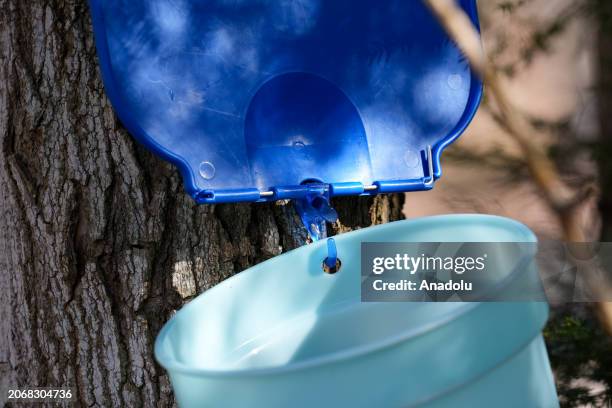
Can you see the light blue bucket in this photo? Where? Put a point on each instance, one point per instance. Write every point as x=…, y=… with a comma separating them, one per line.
x=286, y=334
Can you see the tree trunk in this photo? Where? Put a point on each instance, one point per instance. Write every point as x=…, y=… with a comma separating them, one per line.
x=99, y=243
x=604, y=150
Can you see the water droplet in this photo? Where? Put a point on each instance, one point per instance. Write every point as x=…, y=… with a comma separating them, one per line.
x=455, y=81
x=207, y=170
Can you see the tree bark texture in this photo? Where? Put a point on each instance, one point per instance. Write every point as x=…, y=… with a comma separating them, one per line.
x=99, y=243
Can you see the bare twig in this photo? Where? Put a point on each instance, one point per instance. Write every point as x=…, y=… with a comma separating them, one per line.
x=562, y=199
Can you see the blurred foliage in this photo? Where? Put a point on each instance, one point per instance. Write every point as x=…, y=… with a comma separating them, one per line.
x=581, y=356
x=580, y=351
x=541, y=33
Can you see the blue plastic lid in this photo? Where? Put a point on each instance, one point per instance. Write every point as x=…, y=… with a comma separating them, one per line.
x=253, y=98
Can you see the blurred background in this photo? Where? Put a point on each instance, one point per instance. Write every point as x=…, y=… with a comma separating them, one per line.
x=554, y=59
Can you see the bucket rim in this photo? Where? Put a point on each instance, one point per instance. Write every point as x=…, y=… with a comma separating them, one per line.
x=463, y=308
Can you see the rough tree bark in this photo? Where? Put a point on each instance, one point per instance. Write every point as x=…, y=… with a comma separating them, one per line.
x=99, y=243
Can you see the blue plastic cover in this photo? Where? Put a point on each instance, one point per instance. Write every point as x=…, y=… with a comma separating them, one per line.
x=252, y=96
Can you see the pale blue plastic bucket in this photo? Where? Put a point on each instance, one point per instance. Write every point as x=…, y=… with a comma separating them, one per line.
x=286, y=334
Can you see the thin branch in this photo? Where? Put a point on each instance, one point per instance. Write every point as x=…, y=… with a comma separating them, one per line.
x=562, y=199
x=541, y=167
